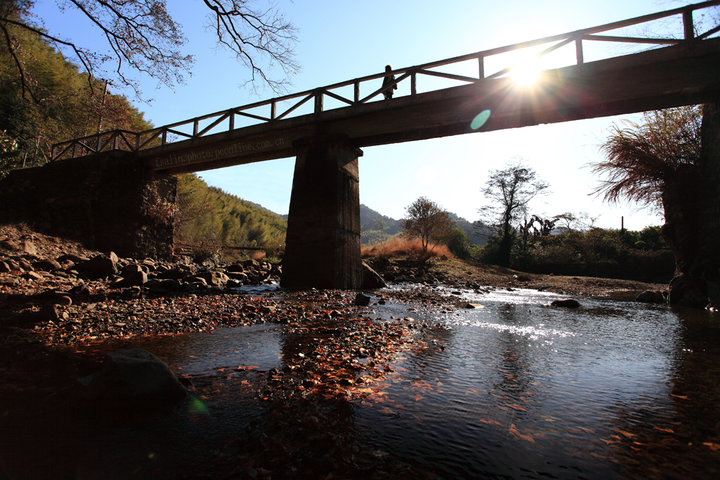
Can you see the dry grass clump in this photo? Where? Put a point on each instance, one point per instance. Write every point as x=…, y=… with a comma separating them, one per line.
x=402, y=246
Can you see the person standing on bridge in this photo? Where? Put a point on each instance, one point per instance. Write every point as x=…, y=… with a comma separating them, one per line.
x=389, y=78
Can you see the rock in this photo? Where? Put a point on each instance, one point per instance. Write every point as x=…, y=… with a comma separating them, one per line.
x=133, y=379
x=5, y=267
x=133, y=274
x=370, y=278
x=238, y=276
x=214, y=277
x=47, y=265
x=164, y=285
x=100, y=266
x=28, y=246
x=566, y=303
x=68, y=257
x=362, y=300
x=469, y=306
x=235, y=268
x=650, y=296
x=32, y=276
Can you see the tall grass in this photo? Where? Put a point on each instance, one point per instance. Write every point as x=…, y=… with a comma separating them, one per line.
x=401, y=246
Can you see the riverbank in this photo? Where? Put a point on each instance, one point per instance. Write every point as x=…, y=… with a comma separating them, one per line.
x=59, y=293
x=62, y=307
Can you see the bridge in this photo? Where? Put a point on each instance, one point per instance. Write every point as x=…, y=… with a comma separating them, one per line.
x=325, y=128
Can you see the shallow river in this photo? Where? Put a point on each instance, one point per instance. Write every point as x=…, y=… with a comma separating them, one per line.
x=511, y=389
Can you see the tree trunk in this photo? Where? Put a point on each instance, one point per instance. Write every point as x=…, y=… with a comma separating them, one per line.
x=692, y=221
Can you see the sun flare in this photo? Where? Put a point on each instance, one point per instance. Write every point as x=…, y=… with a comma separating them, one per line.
x=526, y=73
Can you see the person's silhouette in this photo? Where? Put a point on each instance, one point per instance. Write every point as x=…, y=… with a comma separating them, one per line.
x=389, y=78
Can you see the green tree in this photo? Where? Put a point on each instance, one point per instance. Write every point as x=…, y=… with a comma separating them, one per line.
x=425, y=220
x=509, y=191
x=64, y=106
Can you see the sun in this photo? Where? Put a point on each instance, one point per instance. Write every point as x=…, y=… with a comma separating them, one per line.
x=526, y=73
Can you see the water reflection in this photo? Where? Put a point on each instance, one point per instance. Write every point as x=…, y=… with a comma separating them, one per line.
x=516, y=389
x=612, y=389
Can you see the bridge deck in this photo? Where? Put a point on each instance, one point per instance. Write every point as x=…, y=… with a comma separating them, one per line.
x=685, y=72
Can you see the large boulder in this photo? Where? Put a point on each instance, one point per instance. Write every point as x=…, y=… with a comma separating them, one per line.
x=214, y=278
x=100, y=266
x=565, y=303
x=650, y=296
x=134, y=379
x=133, y=274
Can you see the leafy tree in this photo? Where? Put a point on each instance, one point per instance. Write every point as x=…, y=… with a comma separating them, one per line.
x=509, y=191
x=457, y=242
x=426, y=221
x=668, y=163
x=142, y=36
x=65, y=106
x=642, y=160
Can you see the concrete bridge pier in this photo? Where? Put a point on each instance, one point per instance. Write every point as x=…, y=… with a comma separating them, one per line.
x=322, y=247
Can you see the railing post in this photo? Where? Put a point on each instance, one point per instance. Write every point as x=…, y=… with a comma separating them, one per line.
x=164, y=137
x=481, y=68
x=99, y=143
x=356, y=91
x=273, y=110
x=231, y=121
x=579, y=51
x=413, y=83
x=116, y=138
x=688, y=25
x=196, y=125
x=318, y=101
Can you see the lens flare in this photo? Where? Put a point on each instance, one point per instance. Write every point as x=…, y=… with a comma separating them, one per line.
x=195, y=405
x=480, y=119
x=526, y=73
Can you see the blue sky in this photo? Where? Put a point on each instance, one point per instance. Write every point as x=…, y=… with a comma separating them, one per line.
x=339, y=40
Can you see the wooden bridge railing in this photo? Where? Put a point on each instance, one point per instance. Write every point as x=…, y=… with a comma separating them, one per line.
x=273, y=110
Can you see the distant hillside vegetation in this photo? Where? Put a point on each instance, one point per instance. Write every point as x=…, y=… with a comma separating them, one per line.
x=377, y=228
x=210, y=219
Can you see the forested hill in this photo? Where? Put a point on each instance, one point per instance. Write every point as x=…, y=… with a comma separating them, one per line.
x=211, y=218
x=376, y=227
x=61, y=103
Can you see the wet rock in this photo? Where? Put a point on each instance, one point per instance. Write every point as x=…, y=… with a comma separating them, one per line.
x=5, y=267
x=650, y=296
x=100, y=266
x=133, y=379
x=566, y=303
x=238, y=276
x=362, y=300
x=370, y=278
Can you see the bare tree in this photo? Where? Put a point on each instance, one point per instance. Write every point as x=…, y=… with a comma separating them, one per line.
x=425, y=220
x=142, y=36
x=509, y=192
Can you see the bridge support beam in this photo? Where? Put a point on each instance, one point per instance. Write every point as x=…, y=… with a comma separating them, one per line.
x=322, y=248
